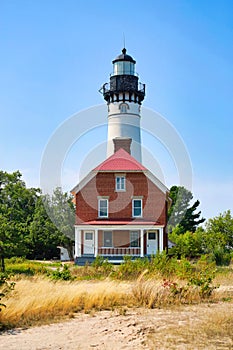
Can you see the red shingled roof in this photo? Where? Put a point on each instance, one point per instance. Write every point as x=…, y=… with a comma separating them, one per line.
x=120, y=161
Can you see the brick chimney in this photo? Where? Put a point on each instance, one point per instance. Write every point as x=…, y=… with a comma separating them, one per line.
x=122, y=142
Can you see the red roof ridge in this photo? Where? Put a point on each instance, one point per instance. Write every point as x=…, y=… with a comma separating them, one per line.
x=121, y=161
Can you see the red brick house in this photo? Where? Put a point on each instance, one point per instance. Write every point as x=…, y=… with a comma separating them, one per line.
x=121, y=209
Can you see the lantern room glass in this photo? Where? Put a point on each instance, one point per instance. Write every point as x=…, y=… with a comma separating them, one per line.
x=123, y=67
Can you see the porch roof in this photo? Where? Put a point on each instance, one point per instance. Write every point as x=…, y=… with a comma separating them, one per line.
x=121, y=222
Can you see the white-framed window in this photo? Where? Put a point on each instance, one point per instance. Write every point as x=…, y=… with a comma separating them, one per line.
x=134, y=239
x=103, y=208
x=107, y=238
x=124, y=107
x=120, y=183
x=137, y=208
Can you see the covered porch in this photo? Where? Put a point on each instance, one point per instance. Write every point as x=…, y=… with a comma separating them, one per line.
x=116, y=241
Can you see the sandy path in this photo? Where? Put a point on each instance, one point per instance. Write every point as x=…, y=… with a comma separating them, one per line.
x=104, y=330
x=108, y=330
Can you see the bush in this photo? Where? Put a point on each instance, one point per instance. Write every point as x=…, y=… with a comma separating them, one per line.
x=203, y=277
x=22, y=266
x=131, y=269
x=63, y=274
x=221, y=257
x=102, y=266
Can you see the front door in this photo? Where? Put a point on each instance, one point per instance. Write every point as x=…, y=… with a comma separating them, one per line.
x=152, y=242
x=88, y=242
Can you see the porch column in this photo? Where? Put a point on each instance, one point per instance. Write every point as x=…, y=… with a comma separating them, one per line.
x=160, y=239
x=96, y=243
x=142, y=243
x=76, y=242
x=79, y=243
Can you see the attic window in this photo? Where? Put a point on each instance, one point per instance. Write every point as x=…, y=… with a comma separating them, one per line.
x=120, y=183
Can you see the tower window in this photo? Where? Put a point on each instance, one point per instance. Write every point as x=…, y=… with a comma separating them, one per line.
x=120, y=183
x=124, y=107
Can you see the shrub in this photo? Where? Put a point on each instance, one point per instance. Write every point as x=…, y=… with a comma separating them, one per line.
x=221, y=257
x=131, y=269
x=17, y=265
x=203, y=277
x=61, y=274
x=102, y=266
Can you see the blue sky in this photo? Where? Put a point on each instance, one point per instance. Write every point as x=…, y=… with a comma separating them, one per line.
x=55, y=55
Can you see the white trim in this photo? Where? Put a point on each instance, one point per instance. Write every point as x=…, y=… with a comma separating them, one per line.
x=155, y=181
x=84, y=181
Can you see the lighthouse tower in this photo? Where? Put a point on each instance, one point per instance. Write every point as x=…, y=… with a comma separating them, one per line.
x=124, y=95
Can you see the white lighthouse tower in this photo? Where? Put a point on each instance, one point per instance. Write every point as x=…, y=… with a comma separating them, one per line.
x=124, y=95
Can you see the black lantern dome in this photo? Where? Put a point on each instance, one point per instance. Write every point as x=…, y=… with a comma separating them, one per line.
x=124, y=85
x=124, y=57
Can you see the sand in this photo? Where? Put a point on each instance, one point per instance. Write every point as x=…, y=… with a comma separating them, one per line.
x=110, y=330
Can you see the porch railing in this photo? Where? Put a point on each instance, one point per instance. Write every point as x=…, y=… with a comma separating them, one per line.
x=119, y=251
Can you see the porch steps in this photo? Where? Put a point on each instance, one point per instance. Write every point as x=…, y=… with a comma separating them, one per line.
x=84, y=260
x=112, y=259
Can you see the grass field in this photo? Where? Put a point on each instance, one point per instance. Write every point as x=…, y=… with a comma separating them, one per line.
x=38, y=299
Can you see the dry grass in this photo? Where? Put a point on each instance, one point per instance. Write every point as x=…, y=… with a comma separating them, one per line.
x=153, y=294
x=38, y=300
x=201, y=329
x=224, y=276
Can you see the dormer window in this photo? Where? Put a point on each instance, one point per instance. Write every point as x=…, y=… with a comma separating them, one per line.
x=123, y=107
x=120, y=183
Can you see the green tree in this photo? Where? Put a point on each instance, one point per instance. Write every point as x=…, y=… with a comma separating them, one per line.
x=17, y=204
x=181, y=213
x=188, y=244
x=218, y=235
x=53, y=225
x=44, y=236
